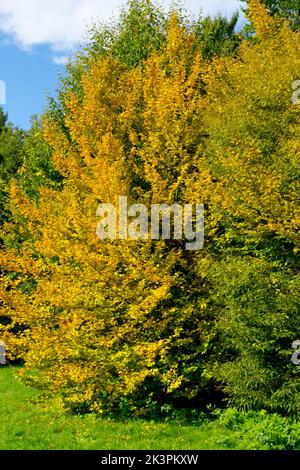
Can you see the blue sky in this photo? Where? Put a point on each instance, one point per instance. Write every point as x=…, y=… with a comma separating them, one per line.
x=28, y=76
x=36, y=36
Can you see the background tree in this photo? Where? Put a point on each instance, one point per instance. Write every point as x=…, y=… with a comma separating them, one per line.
x=11, y=155
x=217, y=36
x=254, y=201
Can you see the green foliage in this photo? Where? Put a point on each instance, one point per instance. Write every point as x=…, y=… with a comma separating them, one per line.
x=258, y=321
x=139, y=31
x=11, y=157
x=37, y=168
x=11, y=140
x=217, y=36
x=260, y=430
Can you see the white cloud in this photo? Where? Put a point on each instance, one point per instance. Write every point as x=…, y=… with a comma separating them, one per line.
x=60, y=59
x=62, y=24
x=59, y=23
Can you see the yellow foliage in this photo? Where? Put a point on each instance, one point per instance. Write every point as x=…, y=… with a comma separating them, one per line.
x=105, y=318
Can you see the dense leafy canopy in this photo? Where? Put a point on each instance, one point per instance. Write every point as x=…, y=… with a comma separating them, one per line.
x=197, y=114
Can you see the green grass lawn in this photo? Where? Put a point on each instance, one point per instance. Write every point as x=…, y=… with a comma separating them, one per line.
x=26, y=424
